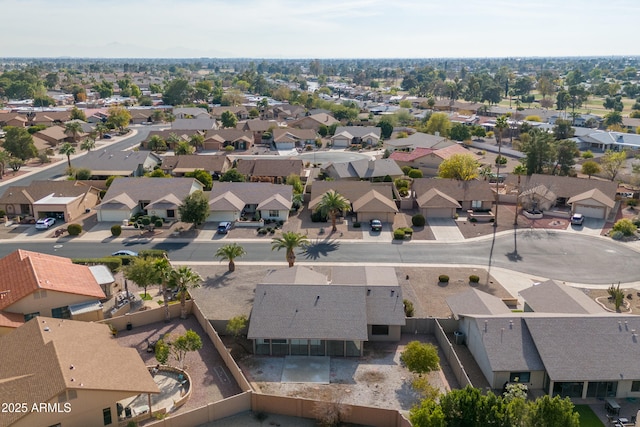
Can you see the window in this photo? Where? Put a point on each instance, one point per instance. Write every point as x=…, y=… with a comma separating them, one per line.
x=520, y=377
x=106, y=416
x=635, y=386
x=379, y=329
x=25, y=209
x=476, y=204
x=274, y=214
x=61, y=312
x=171, y=213
x=30, y=316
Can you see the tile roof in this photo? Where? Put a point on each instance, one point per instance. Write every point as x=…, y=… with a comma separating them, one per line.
x=364, y=168
x=447, y=152
x=226, y=201
x=420, y=140
x=410, y=156
x=200, y=123
x=294, y=134
x=24, y=272
x=229, y=135
x=55, y=132
x=434, y=198
x=373, y=201
x=66, y=355
x=127, y=162
x=11, y=320
x=37, y=190
x=191, y=162
x=359, y=131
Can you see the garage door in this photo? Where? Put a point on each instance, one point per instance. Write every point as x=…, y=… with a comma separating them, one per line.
x=222, y=216
x=105, y=215
x=439, y=213
x=590, y=211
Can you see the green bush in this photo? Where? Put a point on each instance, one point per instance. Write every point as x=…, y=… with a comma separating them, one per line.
x=418, y=220
x=112, y=263
x=626, y=226
x=2, y=213
x=443, y=278
x=408, y=308
x=116, y=230
x=398, y=234
x=632, y=203
x=152, y=253
x=318, y=217
x=474, y=278
x=473, y=220
x=617, y=235
x=357, y=224
x=262, y=231
x=405, y=169
x=158, y=223
x=74, y=229
x=636, y=221
x=415, y=173
x=408, y=231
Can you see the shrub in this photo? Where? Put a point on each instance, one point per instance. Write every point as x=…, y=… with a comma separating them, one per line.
x=112, y=263
x=318, y=217
x=152, y=253
x=408, y=231
x=116, y=230
x=418, y=220
x=406, y=169
x=636, y=221
x=158, y=223
x=415, y=173
x=2, y=213
x=262, y=231
x=474, y=278
x=473, y=220
x=626, y=226
x=443, y=278
x=398, y=234
x=632, y=203
x=408, y=308
x=357, y=224
x=617, y=235
x=74, y=229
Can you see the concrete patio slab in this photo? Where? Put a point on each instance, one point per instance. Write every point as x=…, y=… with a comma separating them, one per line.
x=445, y=229
x=306, y=369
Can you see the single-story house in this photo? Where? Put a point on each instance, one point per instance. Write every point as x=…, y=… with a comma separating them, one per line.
x=298, y=311
x=290, y=138
x=363, y=169
x=12, y=119
x=179, y=165
x=368, y=200
x=54, y=136
x=182, y=135
x=240, y=112
x=190, y=113
x=417, y=140
x=202, y=124
x=553, y=297
x=37, y=284
x=346, y=136
x=283, y=112
x=440, y=198
x=105, y=163
x=428, y=160
x=153, y=196
x=63, y=200
x=314, y=121
x=219, y=139
x=75, y=368
x=235, y=201
x=270, y=170
x=257, y=127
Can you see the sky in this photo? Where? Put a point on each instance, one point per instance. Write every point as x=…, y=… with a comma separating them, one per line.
x=318, y=28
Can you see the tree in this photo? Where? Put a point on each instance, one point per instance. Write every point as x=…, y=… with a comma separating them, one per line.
x=501, y=125
x=563, y=129
x=101, y=128
x=182, y=148
x=566, y=152
x=177, y=92
x=78, y=114
x=230, y=252
x=295, y=181
x=478, y=132
x=88, y=144
x=420, y=358
x=196, y=141
x=141, y=271
x=232, y=175
x=19, y=143
x=74, y=129
x=617, y=295
x=162, y=352
x=332, y=204
x=182, y=279
x=194, y=208
x=552, y=412
x=386, y=127
x=460, y=132
x=15, y=163
x=538, y=151
x=203, y=176
x=612, y=162
x=590, y=168
x=625, y=226
x=237, y=325
x=67, y=149
x=229, y=120
x=157, y=144
x=438, y=122
x=83, y=174
x=162, y=271
x=289, y=241
x=462, y=167
x=118, y=117
x=4, y=159
x=613, y=118
x=177, y=346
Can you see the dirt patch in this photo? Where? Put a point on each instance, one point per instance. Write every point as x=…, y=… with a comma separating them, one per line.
x=630, y=305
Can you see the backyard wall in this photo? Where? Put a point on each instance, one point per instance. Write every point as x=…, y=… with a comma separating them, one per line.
x=146, y=317
x=449, y=352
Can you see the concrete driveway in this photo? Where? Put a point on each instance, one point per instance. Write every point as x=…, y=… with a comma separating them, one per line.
x=445, y=229
x=590, y=227
x=386, y=235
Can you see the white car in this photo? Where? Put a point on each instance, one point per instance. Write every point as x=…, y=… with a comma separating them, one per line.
x=577, y=219
x=44, y=223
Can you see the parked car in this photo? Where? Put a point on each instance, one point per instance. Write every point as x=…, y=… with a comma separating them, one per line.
x=577, y=219
x=124, y=252
x=44, y=223
x=224, y=227
x=106, y=136
x=375, y=224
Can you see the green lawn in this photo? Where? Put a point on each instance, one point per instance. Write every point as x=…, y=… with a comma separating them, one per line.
x=146, y=297
x=587, y=417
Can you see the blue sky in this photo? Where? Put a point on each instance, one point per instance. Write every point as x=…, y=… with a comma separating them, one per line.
x=318, y=29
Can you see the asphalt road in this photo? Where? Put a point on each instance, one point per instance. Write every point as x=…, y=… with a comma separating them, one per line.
x=561, y=256
x=59, y=169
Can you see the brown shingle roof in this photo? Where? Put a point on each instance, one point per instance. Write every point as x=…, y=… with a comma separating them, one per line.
x=270, y=167
x=457, y=190
x=191, y=162
x=36, y=190
x=23, y=272
x=564, y=186
x=350, y=190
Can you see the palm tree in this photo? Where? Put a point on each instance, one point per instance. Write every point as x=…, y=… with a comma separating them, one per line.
x=162, y=270
x=331, y=204
x=197, y=141
x=67, y=149
x=230, y=252
x=172, y=140
x=182, y=148
x=156, y=143
x=88, y=144
x=290, y=240
x=101, y=128
x=501, y=125
x=182, y=279
x=519, y=171
x=73, y=128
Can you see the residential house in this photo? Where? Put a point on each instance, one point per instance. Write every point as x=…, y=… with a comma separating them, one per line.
x=429, y=161
x=270, y=170
x=63, y=200
x=222, y=138
x=590, y=197
x=441, y=198
x=182, y=135
x=74, y=368
x=141, y=115
x=105, y=163
x=179, y=165
x=417, y=140
x=314, y=122
x=552, y=297
x=630, y=124
x=202, y=124
x=615, y=141
x=363, y=169
x=35, y=284
x=240, y=112
x=152, y=196
x=368, y=200
x=54, y=136
x=257, y=127
x=298, y=311
x=12, y=119
x=282, y=112
x=49, y=118
x=290, y=138
x=346, y=136
x=234, y=201
x=190, y=113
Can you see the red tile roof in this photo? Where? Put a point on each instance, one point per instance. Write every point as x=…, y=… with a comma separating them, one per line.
x=24, y=272
x=403, y=156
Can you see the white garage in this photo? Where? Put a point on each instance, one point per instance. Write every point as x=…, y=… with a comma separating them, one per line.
x=435, y=204
x=219, y=216
x=592, y=204
x=439, y=212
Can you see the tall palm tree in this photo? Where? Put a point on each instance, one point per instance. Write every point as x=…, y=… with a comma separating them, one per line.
x=519, y=171
x=289, y=241
x=197, y=141
x=74, y=129
x=182, y=148
x=331, y=204
x=162, y=270
x=88, y=144
x=156, y=143
x=182, y=279
x=172, y=140
x=67, y=149
x=501, y=125
x=101, y=128
x=230, y=252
